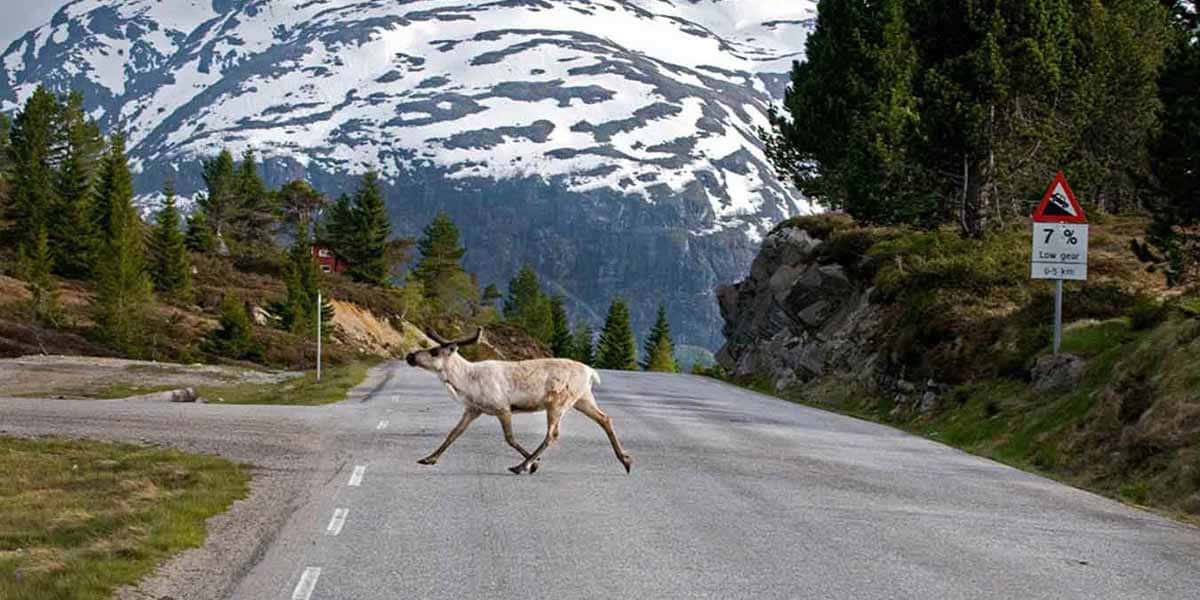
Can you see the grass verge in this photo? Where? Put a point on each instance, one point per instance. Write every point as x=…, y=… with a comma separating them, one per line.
x=79, y=519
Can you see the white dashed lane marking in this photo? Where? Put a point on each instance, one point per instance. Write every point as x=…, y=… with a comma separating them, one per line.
x=338, y=520
x=308, y=582
x=357, y=475
x=382, y=424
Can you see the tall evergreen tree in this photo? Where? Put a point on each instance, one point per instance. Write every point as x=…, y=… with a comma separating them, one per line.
x=114, y=189
x=369, y=247
x=560, y=329
x=123, y=287
x=220, y=203
x=583, y=344
x=172, y=267
x=73, y=235
x=5, y=169
x=527, y=307
x=617, y=348
x=255, y=210
x=659, y=349
x=338, y=229
x=301, y=205
x=31, y=147
x=441, y=254
x=303, y=282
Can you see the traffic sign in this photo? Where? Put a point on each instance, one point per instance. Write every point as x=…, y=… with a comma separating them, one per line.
x=1058, y=204
x=1060, y=243
x=1060, y=251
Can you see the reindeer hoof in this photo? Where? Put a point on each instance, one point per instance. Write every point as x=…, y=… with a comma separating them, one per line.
x=427, y=461
x=628, y=462
x=533, y=468
x=517, y=470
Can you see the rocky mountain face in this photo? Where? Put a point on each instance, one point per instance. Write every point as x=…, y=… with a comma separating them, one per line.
x=800, y=316
x=611, y=144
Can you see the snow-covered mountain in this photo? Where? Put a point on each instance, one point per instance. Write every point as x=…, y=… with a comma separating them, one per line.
x=610, y=143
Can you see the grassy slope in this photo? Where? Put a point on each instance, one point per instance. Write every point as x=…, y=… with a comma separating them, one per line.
x=79, y=519
x=302, y=391
x=966, y=313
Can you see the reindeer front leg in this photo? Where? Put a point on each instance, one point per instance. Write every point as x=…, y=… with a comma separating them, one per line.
x=468, y=416
x=553, y=416
x=506, y=423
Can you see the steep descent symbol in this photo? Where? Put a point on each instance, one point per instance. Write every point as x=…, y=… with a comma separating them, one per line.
x=1059, y=205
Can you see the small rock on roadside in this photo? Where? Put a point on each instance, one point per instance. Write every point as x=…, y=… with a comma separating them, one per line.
x=1056, y=371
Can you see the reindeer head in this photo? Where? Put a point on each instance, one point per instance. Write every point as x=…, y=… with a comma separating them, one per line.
x=434, y=359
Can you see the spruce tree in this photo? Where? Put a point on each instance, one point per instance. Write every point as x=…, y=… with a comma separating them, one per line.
x=617, y=348
x=659, y=349
x=31, y=146
x=369, y=249
x=35, y=269
x=527, y=307
x=172, y=267
x=73, y=235
x=255, y=211
x=220, y=203
x=5, y=168
x=583, y=344
x=441, y=254
x=123, y=287
x=233, y=336
x=303, y=281
x=339, y=227
x=560, y=329
x=114, y=189
x=199, y=236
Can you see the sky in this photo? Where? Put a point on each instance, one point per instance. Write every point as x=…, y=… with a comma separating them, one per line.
x=22, y=15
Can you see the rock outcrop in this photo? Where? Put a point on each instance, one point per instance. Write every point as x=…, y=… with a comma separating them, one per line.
x=797, y=317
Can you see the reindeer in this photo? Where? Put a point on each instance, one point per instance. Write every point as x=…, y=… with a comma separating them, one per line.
x=502, y=388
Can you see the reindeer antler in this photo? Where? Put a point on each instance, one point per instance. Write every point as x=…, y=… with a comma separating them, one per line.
x=437, y=338
x=467, y=341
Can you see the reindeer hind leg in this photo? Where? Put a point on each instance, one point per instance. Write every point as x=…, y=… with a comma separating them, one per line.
x=587, y=406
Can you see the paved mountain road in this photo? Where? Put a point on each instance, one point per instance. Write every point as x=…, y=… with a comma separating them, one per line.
x=733, y=495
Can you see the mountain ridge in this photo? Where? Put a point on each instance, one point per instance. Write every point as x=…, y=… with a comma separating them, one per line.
x=640, y=115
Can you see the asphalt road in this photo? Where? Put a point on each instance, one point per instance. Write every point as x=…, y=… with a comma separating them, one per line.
x=732, y=495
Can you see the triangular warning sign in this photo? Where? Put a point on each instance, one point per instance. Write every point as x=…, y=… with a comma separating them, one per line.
x=1059, y=205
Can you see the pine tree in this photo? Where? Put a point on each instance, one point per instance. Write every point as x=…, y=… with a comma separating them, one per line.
x=303, y=282
x=73, y=235
x=255, y=211
x=233, y=336
x=172, y=267
x=560, y=329
x=583, y=344
x=369, y=250
x=441, y=254
x=617, y=348
x=301, y=205
x=123, y=287
x=31, y=145
x=199, y=236
x=114, y=189
x=659, y=349
x=220, y=203
x=527, y=307
x=5, y=167
x=35, y=269
x=339, y=227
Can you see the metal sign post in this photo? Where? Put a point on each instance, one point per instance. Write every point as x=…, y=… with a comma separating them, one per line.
x=318, y=335
x=1060, y=244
